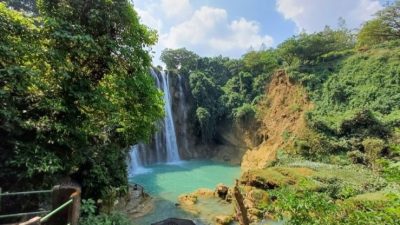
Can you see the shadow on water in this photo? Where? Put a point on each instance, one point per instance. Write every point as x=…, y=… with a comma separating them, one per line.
x=166, y=182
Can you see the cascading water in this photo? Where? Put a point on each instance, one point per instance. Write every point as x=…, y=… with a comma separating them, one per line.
x=170, y=136
x=164, y=147
x=135, y=161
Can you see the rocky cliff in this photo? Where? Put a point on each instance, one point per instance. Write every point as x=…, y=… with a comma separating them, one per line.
x=281, y=115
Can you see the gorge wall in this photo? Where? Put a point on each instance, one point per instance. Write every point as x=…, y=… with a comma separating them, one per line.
x=253, y=145
x=229, y=145
x=182, y=134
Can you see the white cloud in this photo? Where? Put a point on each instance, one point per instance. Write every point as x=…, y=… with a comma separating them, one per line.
x=195, y=30
x=147, y=18
x=211, y=33
x=176, y=8
x=206, y=30
x=313, y=15
x=242, y=35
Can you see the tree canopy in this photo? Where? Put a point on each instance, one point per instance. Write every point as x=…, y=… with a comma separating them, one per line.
x=385, y=27
x=76, y=92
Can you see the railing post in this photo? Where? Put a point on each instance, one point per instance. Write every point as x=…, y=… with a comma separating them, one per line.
x=74, y=213
x=70, y=214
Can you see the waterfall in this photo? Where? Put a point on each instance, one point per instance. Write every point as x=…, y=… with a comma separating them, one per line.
x=169, y=127
x=135, y=161
x=163, y=146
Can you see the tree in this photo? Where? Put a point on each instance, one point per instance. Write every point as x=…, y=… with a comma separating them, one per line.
x=206, y=94
x=86, y=97
x=373, y=32
x=260, y=62
x=385, y=27
x=181, y=60
x=309, y=49
x=391, y=18
x=24, y=5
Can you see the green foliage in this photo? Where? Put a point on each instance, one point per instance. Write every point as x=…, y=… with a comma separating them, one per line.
x=75, y=93
x=206, y=94
x=244, y=113
x=219, y=68
x=114, y=218
x=222, y=88
x=23, y=5
x=361, y=95
x=317, y=208
x=309, y=49
x=302, y=208
x=180, y=60
x=384, y=27
x=373, y=32
x=205, y=120
x=390, y=169
x=88, y=207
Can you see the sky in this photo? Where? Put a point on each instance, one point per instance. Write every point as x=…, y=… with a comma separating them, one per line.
x=232, y=27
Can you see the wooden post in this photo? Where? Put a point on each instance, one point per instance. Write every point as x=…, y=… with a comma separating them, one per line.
x=70, y=214
x=241, y=211
x=74, y=213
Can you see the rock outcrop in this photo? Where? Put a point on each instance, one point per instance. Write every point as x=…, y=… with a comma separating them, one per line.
x=212, y=205
x=283, y=109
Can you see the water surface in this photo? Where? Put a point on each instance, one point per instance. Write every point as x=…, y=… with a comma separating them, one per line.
x=165, y=182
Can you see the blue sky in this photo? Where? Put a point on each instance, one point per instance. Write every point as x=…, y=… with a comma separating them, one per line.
x=232, y=27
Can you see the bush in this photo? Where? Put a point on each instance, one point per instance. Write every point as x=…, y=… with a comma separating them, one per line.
x=373, y=148
x=114, y=218
x=356, y=156
x=363, y=124
x=245, y=113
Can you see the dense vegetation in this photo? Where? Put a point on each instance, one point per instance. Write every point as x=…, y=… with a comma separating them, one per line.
x=222, y=88
x=353, y=81
x=75, y=93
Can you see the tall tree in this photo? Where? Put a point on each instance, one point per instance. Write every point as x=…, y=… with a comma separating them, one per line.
x=91, y=96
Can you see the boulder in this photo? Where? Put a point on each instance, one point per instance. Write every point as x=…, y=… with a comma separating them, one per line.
x=189, y=199
x=174, y=221
x=223, y=220
x=221, y=191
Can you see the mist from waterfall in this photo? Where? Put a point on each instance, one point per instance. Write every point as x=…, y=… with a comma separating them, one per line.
x=135, y=161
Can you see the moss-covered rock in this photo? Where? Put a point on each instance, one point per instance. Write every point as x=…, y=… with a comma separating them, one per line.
x=275, y=177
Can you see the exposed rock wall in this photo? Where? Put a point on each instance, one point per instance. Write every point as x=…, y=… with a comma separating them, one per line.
x=282, y=119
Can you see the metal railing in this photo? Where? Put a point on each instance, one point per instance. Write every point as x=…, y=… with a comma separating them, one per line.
x=72, y=199
x=23, y=193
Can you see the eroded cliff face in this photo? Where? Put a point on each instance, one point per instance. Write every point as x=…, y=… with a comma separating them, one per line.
x=182, y=107
x=281, y=117
x=230, y=143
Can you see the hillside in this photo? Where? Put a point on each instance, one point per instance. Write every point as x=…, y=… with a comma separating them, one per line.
x=338, y=152
x=282, y=119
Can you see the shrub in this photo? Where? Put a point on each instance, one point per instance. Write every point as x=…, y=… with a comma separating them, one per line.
x=113, y=218
x=356, y=156
x=373, y=147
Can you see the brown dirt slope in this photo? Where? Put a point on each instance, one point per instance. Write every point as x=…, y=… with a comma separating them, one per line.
x=282, y=119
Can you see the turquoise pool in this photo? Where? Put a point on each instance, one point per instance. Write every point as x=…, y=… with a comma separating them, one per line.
x=165, y=182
